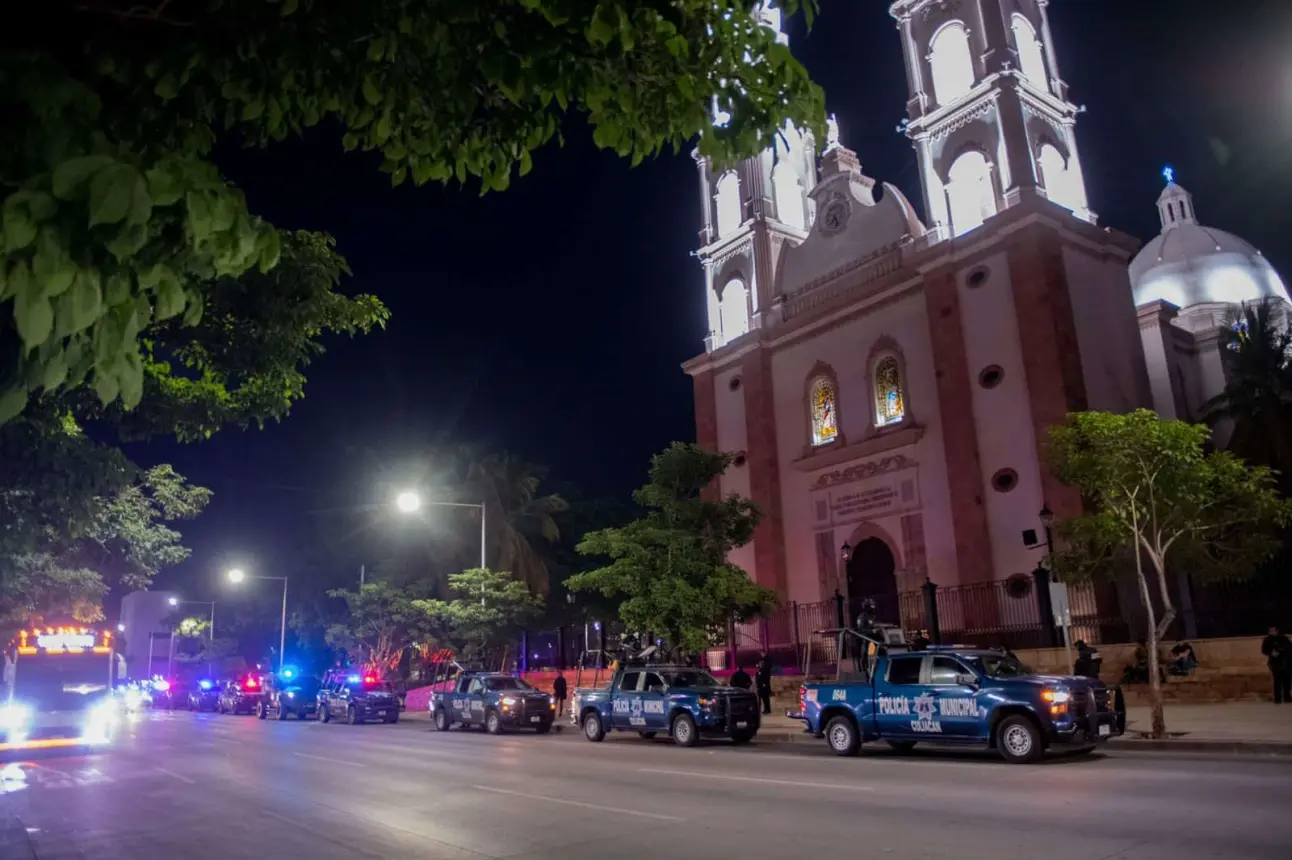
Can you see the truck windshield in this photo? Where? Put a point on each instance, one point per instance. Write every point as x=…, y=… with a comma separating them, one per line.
x=507, y=684
x=690, y=679
x=1002, y=667
x=57, y=681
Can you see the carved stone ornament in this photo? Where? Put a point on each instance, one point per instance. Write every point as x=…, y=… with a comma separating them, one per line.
x=939, y=6
x=862, y=471
x=834, y=214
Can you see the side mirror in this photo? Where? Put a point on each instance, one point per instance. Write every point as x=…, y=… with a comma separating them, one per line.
x=968, y=679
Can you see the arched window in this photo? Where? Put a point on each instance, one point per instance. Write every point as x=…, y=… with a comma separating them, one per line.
x=733, y=310
x=1031, y=60
x=825, y=411
x=789, y=196
x=970, y=192
x=727, y=204
x=1060, y=183
x=890, y=399
x=952, y=63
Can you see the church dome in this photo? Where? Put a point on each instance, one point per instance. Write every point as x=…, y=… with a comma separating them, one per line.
x=1188, y=264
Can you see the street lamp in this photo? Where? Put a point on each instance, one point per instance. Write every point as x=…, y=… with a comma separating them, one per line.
x=236, y=576
x=409, y=502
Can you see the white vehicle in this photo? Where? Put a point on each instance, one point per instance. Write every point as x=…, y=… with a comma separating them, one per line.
x=58, y=690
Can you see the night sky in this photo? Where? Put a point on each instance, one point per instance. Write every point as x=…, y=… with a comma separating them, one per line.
x=551, y=319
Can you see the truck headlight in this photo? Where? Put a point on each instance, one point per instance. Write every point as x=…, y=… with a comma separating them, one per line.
x=15, y=717
x=508, y=701
x=1058, y=697
x=706, y=703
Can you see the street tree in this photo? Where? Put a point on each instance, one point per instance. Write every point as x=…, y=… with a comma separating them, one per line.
x=381, y=621
x=1158, y=497
x=488, y=610
x=669, y=567
x=115, y=214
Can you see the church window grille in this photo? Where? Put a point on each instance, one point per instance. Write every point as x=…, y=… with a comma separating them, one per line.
x=824, y=404
x=890, y=402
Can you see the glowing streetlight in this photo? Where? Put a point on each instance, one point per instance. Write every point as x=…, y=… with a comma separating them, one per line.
x=173, y=601
x=236, y=575
x=408, y=502
x=121, y=628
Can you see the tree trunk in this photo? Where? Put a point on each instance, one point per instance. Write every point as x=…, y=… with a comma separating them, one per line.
x=1168, y=607
x=1154, y=681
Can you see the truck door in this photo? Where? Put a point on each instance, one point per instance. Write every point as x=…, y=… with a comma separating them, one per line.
x=470, y=702
x=896, y=695
x=958, y=706
x=654, y=692
x=624, y=699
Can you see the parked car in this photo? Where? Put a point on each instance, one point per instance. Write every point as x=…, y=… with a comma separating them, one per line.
x=358, y=700
x=495, y=701
x=205, y=696
x=289, y=694
x=683, y=702
x=240, y=696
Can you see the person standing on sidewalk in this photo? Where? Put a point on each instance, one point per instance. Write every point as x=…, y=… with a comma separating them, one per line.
x=740, y=679
x=558, y=692
x=1278, y=653
x=763, y=679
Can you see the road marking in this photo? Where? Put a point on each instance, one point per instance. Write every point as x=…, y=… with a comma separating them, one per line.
x=579, y=803
x=332, y=760
x=178, y=776
x=792, y=783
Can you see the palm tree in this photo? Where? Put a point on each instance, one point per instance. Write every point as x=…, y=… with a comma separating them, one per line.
x=1258, y=392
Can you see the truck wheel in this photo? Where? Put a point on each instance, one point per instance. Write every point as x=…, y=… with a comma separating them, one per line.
x=261, y=711
x=593, y=730
x=324, y=714
x=352, y=715
x=1018, y=740
x=841, y=734
x=493, y=723
x=282, y=713
x=441, y=721
x=684, y=733
x=393, y=718
x=902, y=746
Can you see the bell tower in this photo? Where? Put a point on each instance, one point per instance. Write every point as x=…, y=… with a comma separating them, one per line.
x=988, y=112
x=749, y=212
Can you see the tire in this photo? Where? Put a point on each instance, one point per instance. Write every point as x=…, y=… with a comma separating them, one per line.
x=325, y=715
x=442, y=723
x=593, y=729
x=282, y=712
x=741, y=738
x=1019, y=741
x=493, y=723
x=684, y=731
x=262, y=710
x=352, y=715
x=842, y=736
x=902, y=746
x=393, y=718
x=543, y=728
x=647, y=736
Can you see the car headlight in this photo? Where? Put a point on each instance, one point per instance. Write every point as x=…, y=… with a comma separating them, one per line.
x=706, y=703
x=291, y=695
x=1058, y=697
x=15, y=717
x=509, y=701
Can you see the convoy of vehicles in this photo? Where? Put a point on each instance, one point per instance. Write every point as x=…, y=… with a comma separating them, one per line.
x=963, y=696
x=58, y=689
x=495, y=701
x=683, y=702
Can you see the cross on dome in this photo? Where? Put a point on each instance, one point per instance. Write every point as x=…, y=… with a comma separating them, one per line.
x=1168, y=173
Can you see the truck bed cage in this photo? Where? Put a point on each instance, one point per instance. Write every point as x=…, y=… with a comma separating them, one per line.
x=893, y=641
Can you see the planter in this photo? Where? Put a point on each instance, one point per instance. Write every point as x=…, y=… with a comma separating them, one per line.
x=716, y=658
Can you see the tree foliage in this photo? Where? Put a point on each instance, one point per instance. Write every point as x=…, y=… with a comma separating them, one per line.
x=379, y=623
x=670, y=565
x=488, y=610
x=1158, y=496
x=114, y=217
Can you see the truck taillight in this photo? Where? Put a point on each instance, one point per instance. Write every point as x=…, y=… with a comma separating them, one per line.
x=802, y=698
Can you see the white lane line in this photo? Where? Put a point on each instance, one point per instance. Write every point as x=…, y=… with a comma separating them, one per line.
x=788, y=782
x=332, y=760
x=579, y=803
x=178, y=776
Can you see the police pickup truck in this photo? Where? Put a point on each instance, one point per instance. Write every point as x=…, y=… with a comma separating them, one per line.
x=496, y=701
x=966, y=696
x=686, y=703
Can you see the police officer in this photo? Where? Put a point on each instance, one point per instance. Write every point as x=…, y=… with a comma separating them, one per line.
x=763, y=680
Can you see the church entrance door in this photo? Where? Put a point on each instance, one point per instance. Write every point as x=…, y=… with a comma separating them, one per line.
x=872, y=574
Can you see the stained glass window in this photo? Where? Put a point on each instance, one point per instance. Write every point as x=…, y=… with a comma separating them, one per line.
x=825, y=412
x=890, y=406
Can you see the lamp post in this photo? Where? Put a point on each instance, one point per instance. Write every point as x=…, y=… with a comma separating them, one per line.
x=175, y=601
x=410, y=502
x=236, y=576
x=845, y=555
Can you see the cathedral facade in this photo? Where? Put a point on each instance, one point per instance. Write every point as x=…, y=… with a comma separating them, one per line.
x=886, y=383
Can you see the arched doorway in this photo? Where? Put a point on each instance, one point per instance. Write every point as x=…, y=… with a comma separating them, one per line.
x=872, y=573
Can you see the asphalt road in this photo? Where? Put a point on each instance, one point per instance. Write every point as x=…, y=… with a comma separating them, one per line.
x=205, y=786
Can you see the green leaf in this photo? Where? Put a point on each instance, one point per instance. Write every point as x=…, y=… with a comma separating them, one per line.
x=289, y=6
x=19, y=228
x=12, y=402
x=193, y=312
x=112, y=192
x=199, y=215
x=376, y=50
x=130, y=376
x=371, y=94
x=253, y=110
x=602, y=29
x=500, y=29
x=116, y=290
x=70, y=176
x=86, y=300
x=128, y=241
x=165, y=185
x=168, y=87
x=170, y=298
x=33, y=314
x=51, y=266
x=526, y=162
x=105, y=385
x=55, y=371
x=270, y=249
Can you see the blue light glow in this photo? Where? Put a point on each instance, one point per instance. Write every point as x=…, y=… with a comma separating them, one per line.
x=205, y=685
x=287, y=673
x=353, y=679
x=1169, y=173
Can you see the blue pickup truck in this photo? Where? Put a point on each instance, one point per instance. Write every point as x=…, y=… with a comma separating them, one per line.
x=683, y=702
x=495, y=701
x=962, y=696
